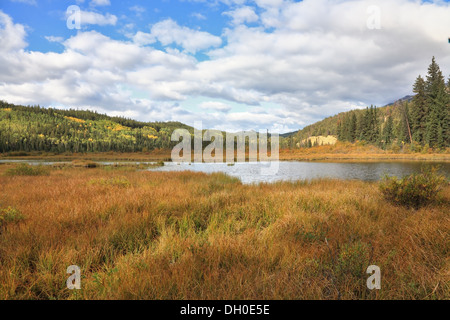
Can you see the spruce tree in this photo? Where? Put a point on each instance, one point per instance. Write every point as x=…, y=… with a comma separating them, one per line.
x=433, y=129
x=375, y=125
x=419, y=111
x=438, y=100
x=353, y=128
x=361, y=126
x=388, y=131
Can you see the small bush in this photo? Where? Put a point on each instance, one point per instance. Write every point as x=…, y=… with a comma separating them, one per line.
x=9, y=215
x=415, y=190
x=24, y=169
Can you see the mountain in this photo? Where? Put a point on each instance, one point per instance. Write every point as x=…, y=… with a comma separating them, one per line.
x=407, y=98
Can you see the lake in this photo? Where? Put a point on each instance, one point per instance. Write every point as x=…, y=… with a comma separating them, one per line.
x=250, y=172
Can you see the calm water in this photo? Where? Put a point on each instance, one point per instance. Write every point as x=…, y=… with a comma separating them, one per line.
x=251, y=172
x=295, y=170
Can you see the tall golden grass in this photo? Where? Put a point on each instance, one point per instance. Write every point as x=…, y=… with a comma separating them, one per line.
x=185, y=235
x=358, y=151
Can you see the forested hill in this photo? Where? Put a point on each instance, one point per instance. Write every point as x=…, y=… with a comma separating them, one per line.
x=422, y=120
x=53, y=130
x=330, y=125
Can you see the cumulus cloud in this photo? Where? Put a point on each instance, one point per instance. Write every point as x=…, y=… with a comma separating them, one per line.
x=169, y=32
x=243, y=14
x=297, y=63
x=89, y=17
x=12, y=36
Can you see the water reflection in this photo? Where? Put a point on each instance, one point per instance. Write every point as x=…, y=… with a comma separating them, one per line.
x=298, y=170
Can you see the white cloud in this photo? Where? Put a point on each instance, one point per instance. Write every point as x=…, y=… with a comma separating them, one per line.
x=142, y=38
x=98, y=3
x=89, y=17
x=12, y=36
x=215, y=105
x=94, y=18
x=198, y=16
x=318, y=59
x=242, y=15
x=168, y=32
x=54, y=39
x=139, y=10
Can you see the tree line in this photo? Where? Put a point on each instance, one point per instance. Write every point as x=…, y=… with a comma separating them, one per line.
x=424, y=121
x=33, y=128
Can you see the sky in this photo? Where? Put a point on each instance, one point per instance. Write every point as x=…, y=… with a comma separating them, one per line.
x=232, y=64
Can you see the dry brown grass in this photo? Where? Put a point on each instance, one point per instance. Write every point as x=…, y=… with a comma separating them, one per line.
x=185, y=235
x=343, y=151
x=153, y=155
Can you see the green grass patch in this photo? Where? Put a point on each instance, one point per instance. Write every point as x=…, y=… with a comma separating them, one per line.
x=9, y=216
x=115, y=181
x=24, y=169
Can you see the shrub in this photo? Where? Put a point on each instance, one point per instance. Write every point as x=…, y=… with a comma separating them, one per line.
x=415, y=190
x=24, y=169
x=8, y=216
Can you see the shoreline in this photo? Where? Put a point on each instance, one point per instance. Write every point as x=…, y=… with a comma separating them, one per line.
x=285, y=155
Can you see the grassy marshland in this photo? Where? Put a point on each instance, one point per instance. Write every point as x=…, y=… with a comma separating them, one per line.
x=167, y=235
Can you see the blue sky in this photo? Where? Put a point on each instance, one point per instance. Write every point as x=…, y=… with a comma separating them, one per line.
x=233, y=64
x=48, y=17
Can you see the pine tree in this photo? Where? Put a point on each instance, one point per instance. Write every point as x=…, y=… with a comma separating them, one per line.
x=419, y=111
x=366, y=125
x=339, y=130
x=353, y=123
x=361, y=126
x=438, y=100
x=433, y=129
x=388, y=131
x=435, y=81
x=375, y=125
